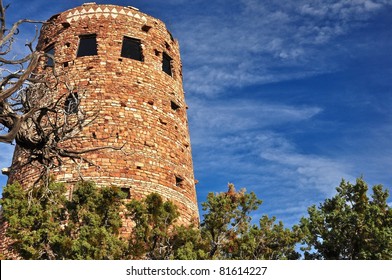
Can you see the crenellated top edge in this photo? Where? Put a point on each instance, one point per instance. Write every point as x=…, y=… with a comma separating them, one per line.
x=105, y=11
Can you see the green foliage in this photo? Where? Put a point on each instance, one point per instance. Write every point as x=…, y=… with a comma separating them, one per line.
x=93, y=223
x=34, y=219
x=188, y=244
x=225, y=233
x=350, y=225
x=268, y=241
x=154, y=224
x=45, y=225
x=229, y=234
x=226, y=218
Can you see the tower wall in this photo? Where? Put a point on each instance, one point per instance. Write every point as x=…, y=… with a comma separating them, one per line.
x=139, y=107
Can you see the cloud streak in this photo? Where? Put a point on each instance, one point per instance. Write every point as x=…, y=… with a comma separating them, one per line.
x=237, y=115
x=267, y=42
x=241, y=135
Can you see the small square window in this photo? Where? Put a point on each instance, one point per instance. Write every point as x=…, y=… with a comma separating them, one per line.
x=131, y=48
x=87, y=45
x=49, y=60
x=166, y=64
x=71, y=104
x=179, y=181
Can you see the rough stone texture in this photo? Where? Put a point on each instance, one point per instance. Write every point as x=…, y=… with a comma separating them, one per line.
x=6, y=251
x=135, y=103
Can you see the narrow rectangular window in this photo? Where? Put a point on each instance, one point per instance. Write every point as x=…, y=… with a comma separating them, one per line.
x=131, y=48
x=49, y=60
x=87, y=45
x=166, y=64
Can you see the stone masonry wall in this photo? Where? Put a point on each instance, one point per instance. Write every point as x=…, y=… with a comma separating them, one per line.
x=140, y=107
x=6, y=251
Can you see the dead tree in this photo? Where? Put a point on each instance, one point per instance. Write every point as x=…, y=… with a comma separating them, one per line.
x=33, y=114
x=16, y=75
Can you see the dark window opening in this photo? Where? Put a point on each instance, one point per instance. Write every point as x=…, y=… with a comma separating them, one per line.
x=65, y=24
x=146, y=28
x=167, y=46
x=126, y=192
x=71, y=104
x=87, y=45
x=174, y=106
x=166, y=64
x=50, y=60
x=179, y=181
x=131, y=48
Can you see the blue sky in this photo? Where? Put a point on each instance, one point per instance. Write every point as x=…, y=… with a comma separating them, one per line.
x=285, y=98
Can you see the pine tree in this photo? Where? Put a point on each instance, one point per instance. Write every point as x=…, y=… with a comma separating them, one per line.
x=350, y=225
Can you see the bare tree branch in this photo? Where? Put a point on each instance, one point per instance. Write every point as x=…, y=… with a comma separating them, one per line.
x=40, y=110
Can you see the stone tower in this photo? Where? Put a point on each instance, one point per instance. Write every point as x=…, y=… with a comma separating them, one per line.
x=125, y=65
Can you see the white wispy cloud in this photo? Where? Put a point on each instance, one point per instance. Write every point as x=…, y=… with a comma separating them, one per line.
x=315, y=172
x=264, y=42
x=242, y=136
x=233, y=116
x=267, y=163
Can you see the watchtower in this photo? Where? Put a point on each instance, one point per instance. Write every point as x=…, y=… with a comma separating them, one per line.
x=125, y=65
